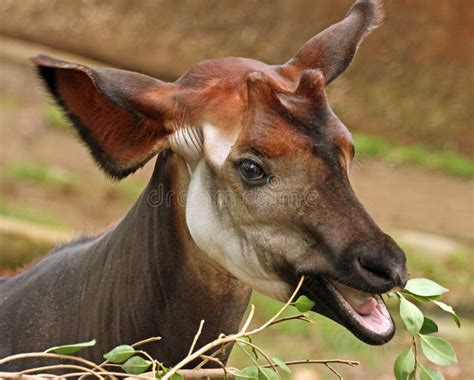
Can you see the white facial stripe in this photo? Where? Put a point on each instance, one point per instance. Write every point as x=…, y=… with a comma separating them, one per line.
x=188, y=143
x=221, y=242
x=217, y=147
x=204, y=216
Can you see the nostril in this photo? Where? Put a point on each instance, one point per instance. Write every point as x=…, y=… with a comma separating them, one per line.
x=375, y=269
x=402, y=280
x=402, y=276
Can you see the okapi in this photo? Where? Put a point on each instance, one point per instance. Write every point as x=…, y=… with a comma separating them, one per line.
x=235, y=136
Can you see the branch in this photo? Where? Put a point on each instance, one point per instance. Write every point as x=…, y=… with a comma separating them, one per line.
x=351, y=363
x=203, y=373
x=88, y=368
x=59, y=366
x=232, y=338
x=51, y=356
x=219, y=362
x=145, y=341
x=258, y=349
x=333, y=370
x=214, y=354
x=415, y=349
x=196, y=337
x=300, y=317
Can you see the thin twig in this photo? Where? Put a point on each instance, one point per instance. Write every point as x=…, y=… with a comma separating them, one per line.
x=196, y=337
x=275, y=317
x=300, y=317
x=334, y=371
x=249, y=319
x=108, y=374
x=254, y=351
x=415, y=349
x=153, y=361
x=351, y=363
x=145, y=341
x=216, y=360
x=247, y=353
x=59, y=366
x=261, y=352
x=48, y=355
x=214, y=354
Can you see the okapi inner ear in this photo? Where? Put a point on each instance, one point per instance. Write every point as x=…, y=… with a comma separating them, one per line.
x=120, y=115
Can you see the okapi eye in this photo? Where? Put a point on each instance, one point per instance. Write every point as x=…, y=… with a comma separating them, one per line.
x=252, y=172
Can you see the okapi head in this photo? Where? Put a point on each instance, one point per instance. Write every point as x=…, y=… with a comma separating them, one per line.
x=269, y=197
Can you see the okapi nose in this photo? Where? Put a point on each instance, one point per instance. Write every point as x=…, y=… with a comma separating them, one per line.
x=383, y=264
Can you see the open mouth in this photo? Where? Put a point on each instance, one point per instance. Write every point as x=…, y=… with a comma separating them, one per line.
x=363, y=314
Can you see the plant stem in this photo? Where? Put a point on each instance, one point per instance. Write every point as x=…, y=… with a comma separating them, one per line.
x=415, y=351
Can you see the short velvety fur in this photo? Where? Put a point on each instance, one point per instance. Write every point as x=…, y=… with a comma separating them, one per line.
x=166, y=266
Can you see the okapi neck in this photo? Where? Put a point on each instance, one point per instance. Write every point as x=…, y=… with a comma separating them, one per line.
x=167, y=285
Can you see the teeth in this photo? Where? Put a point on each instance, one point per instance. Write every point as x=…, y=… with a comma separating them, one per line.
x=358, y=299
x=355, y=295
x=363, y=303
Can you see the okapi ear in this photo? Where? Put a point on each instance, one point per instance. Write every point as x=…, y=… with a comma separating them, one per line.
x=333, y=49
x=120, y=115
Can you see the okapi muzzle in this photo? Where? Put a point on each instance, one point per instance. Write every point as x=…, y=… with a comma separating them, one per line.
x=356, y=263
x=263, y=164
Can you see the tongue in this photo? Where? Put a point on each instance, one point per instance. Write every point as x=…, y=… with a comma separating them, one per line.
x=369, y=312
x=366, y=308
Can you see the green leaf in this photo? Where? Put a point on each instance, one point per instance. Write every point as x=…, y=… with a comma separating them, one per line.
x=449, y=310
x=247, y=373
x=421, y=298
x=303, y=304
x=120, y=353
x=256, y=373
x=404, y=365
x=437, y=350
x=281, y=364
x=71, y=348
x=411, y=316
x=176, y=376
x=136, y=365
x=424, y=287
x=427, y=373
x=267, y=374
x=429, y=327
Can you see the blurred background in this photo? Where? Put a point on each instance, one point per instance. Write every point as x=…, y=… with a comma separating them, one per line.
x=407, y=98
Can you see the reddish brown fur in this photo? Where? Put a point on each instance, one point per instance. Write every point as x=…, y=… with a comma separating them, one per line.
x=108, y=123
x=124, y=117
